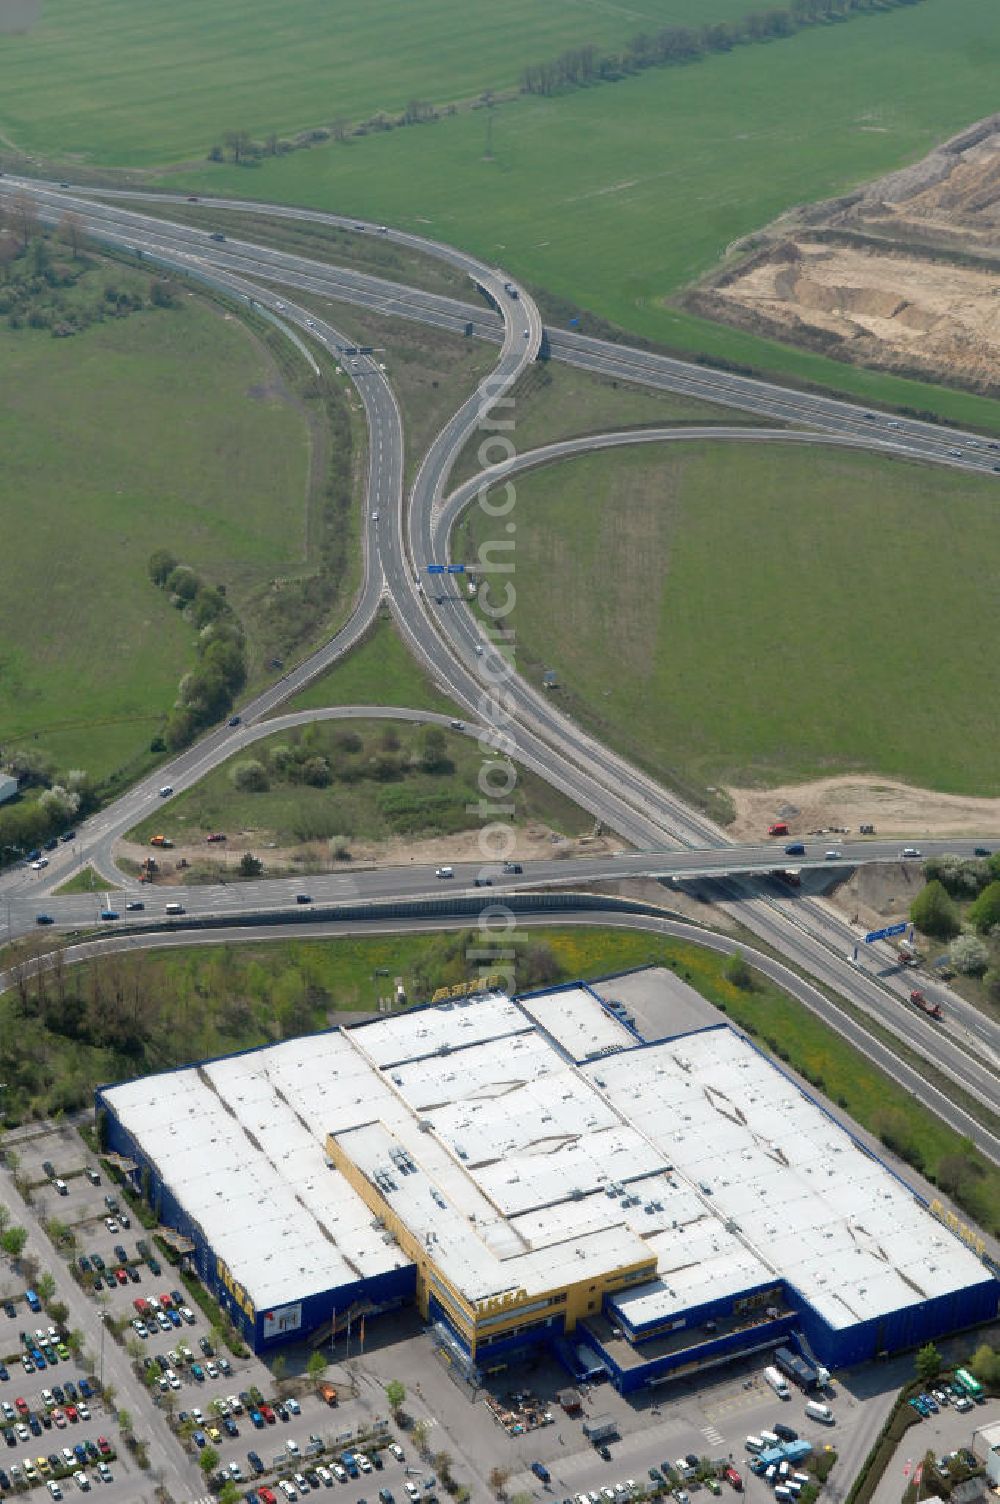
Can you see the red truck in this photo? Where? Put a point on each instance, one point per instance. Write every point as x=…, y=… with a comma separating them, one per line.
x=778, y=829
x=933, y=1010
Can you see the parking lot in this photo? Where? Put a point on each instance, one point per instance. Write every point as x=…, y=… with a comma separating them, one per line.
x=185, y=1391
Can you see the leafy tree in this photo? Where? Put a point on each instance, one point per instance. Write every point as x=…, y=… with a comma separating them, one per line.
x=316, y=771
x=985, y=1364
x=208, y=1460
x=933, y=912
x=125, y=1421
x=279, y=1367
x=161, y=293
x=433, y=751
x=45, y=1287
x=251, y=866
x=985, y=912
x=230, y=1493
x=419, y=1434
x=991, y=981
x=738, y=972
x=969, y=955
x=962, y=876
x=161, y=566
x=250, y=777
x=442, y=1466
x=182, y=582
x=316, y=1367
x=395, y=1393
x=12, y=1241
x=928, y=1362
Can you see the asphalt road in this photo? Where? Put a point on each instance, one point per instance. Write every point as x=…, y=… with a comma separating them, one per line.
x=402, y=541
x=241, y=932
x=165, y=1458
x=904, y=436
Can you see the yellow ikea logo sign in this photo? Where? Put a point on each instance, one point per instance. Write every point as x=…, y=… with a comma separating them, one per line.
x=236, y=1290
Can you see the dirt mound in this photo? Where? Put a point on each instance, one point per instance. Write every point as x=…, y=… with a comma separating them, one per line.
x=902, y=274
x=895, y=310
x=847, y=802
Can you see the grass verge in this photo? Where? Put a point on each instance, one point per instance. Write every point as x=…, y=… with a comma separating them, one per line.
x=680, y=163
x=110, y=483
x=719, y=608
x=341, y=782
x=181, y=1005
x=87, y=880
x=379, y=671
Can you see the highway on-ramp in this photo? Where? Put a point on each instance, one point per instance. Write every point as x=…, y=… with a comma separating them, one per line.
x=402, y=540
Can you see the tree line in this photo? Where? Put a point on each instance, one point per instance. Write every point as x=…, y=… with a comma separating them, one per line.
x=207, y=692
x=960, y=902
x=580, y=66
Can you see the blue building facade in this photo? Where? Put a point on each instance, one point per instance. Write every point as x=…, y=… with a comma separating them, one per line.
x=262, y=1330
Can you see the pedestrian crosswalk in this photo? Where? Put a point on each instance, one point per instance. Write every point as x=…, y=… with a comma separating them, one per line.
x=713, y=1436
x=204, y=1499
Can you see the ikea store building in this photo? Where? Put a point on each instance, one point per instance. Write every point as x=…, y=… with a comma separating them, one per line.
x=533, y=1171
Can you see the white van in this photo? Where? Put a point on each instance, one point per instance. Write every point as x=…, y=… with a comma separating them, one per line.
x=174, y=908
x=801, y=1478
x=445, y=872
x=777, y=1381
x=781, y=1492
x=754, y=1443
x=816, y=1411
x=684, y=1468
x=793, y=1488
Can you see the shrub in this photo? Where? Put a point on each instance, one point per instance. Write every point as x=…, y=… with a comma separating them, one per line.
x=985, y=912
x=250, y=777
x=969, y=955
x=933, y=912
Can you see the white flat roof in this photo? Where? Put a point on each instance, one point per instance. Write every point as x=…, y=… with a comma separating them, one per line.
x=584, y=1032
x=793, y=1184
x=241, y=1143
x=695, y=1157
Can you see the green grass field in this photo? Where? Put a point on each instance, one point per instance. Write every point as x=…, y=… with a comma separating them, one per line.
x=356, y=804
x=753, y=614
x=379, y=671
x=678, y=164
x=554, y=401
x=167, y=429
x=180, y=1005
x=103, y=81
x=86, y=881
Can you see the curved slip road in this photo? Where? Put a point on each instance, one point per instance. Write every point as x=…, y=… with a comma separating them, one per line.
x=646, y=815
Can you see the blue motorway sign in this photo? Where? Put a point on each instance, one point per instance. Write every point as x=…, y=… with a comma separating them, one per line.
x=890, y=929
x=435, y=569
x=456, y=568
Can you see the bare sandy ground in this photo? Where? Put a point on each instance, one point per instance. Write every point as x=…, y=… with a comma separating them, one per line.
x=533, y=842
x=892, y=310
x=903, y=273
x=835, y=804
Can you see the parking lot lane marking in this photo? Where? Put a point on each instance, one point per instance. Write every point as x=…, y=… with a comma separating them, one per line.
x=712, y=1435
